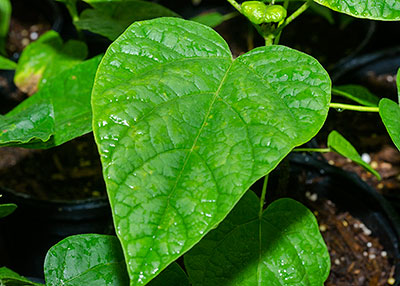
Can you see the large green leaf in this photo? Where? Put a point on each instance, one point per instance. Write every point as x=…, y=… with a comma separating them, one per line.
x=7, y=209
x=5, y=16
x=97, y=260
x=6, y=64
x=388, y=10
x=10, y=278
x=46, y=58
x=281, y=247
x=390, y=115
x=110, y=18
x=357, y=93
x=184, y=130
x=56, y=114
x=340, y=145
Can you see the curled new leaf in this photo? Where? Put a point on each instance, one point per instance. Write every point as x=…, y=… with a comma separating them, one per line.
x=184, y=130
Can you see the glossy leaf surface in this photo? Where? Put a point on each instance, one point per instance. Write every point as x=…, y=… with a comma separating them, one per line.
x=56, y=114
x=97, y=260
x=369, y=9
x=282, y=247
x=5, y=16
x=390, y=115
x=340, y=145
x=111, y=18
x=184, y=130
x=357, y=93
x=10, y=278
x=7, y=209
x=6, y=64
x=46, y=58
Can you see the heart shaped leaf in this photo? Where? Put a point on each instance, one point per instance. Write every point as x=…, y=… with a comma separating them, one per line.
x=97, y=260
x=390, y=115
x=340, y=145
x=184, y=130
x=7, y=209
x=283, y=246
x=56, y=114
x=369, y=9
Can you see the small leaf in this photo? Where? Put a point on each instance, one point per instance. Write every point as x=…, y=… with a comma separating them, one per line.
x=390, y=115
x=212, y=19
x=111, y=18
x=88, y=259
x=7, y=209
x=56, y=114
x=323, y=12
x=340, y=145
x=283, y=247
x=6, y=64
x=93, y=259
x=357, y=93
x=10, y=278
x=369, y=9
x=47, y=52
x=184, y=130
x=5, y=16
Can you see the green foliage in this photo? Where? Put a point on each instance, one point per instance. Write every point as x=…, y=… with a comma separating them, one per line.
x=257, y=12
x=212, y=19
x=59, y=112
x=184, y=130
x=390, y=115
x=357, y=93
x=340, y=145
x=275, y=14
x=5, y=16
x=110, y=18
x=10, y=278
x=369, y=9
x=283, y=246
x=6, y=64
x=97, y=260
x=7, y=209
x=44, y=59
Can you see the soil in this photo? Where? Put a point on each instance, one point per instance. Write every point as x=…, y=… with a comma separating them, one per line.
x=65, y=173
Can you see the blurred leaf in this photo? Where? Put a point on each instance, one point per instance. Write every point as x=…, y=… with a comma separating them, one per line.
x=390, y=115
x=6, y=64
x=7, y=209
x=323, y=12
x=5, y=16
x=212, y=19
x=10, y=278
x=357, y=93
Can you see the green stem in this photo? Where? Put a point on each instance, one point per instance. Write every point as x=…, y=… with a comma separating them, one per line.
x=353, y=107
x=236, y=5
x=263, y=194
x=295, y=14
x=320, y=150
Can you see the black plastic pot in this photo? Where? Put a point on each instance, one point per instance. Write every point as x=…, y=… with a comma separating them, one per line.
x=350, y=193
x=28, y=233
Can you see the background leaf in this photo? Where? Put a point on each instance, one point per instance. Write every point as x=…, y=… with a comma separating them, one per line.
x=340, y=145
x=183, y=131
x=10, y=278
x=93, y=259
x=282, y=247
x=7, y=209
x=48, y=52
x=5, y=16
x=369, y=9
x=111, y=18
x=212, y=19
x=357, y=93
x=390, y=115
x=56, y=114
x=6, y=64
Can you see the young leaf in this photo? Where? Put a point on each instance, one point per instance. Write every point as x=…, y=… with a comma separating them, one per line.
x=6, y=64
x=7, y=209
x=369, y=9
x=10, y=278
x=212, y=19
x=282, y=247
x=111, y=18
x=48, y=52
x=5, y=16
x=184, y=130
x=390, y=115
x=56, y=114
x=88, y=259
x=324, y=12
x=357, y=93
x=340, y=145
x=93, y=259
